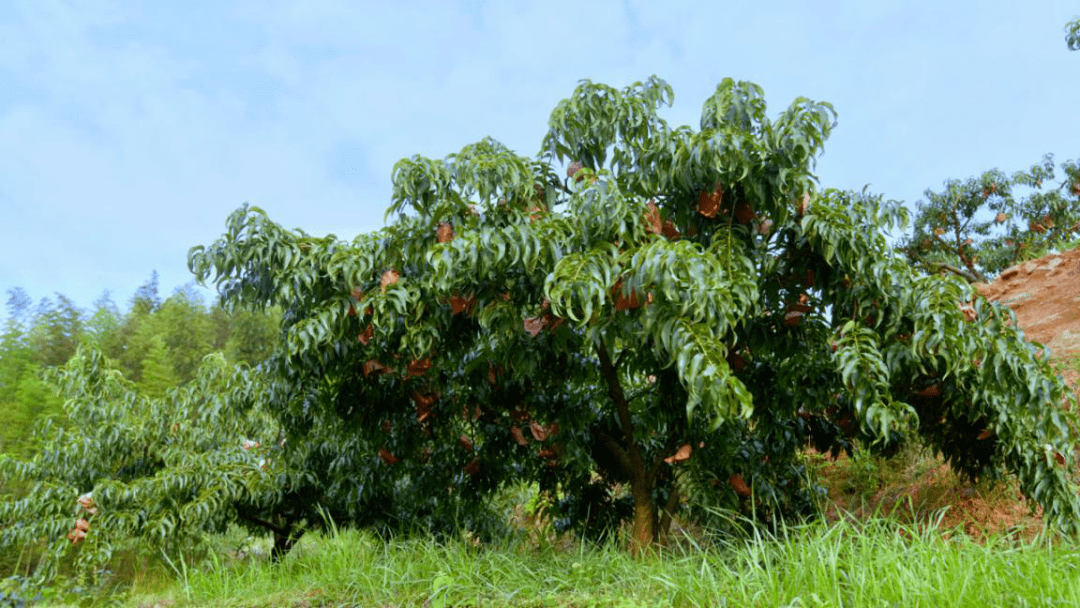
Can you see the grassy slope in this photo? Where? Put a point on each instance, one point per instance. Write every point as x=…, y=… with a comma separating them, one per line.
x=900, y=532
x=905, y=531
x=843, y=564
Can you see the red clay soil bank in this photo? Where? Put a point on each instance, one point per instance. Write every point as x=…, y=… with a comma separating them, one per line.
x=1045, y=295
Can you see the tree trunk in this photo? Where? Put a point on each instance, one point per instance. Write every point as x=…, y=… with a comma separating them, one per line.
x=283, y=542
x=663, y=527
x=285, y=536
x=643, y=532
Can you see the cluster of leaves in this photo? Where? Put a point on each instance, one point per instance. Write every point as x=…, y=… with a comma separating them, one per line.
x=976, y=228
x=157, y=471
x=157, y=345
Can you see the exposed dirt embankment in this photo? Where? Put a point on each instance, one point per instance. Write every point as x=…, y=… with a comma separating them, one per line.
x=1045, y=295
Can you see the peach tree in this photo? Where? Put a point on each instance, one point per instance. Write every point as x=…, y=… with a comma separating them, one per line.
x=976, y=228
x=647, y=321
x=678, y=317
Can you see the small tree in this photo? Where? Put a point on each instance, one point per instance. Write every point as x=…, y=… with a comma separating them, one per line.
x=121, y=469
x=978, y=227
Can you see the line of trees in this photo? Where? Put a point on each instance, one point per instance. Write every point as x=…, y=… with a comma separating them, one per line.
x=158, y=343
x=977, y=227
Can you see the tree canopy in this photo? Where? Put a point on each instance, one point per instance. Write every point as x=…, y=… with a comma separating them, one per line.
x=976, y=228
x=686, y=308
x=157, y=344
x=679, y=315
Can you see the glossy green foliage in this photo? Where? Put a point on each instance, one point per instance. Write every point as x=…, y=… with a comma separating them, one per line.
x=681, y=313
x=156, y=471
x=976, y=228
x=158, y=344
x=108, y=428
x=1072, y=34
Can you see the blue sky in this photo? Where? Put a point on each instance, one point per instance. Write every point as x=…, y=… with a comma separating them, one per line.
x=130, y=129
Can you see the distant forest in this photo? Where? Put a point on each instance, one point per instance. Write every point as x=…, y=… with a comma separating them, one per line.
x=157, y=344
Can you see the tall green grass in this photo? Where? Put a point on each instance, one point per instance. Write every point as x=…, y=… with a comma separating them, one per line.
x=874, y=563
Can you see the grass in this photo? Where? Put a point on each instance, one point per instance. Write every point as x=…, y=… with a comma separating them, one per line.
x=847, y=563
x=899, y=538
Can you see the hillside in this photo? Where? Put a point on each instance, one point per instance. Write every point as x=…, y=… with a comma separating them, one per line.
x=1045, y=296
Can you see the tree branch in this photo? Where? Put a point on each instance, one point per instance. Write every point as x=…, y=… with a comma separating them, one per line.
x=244, y=515
x=959, y=248
x=971, y=277
x=615, y=391
x=668, y=511
x=618, y=452
x=669, y=447
x=665, y=381
x=637, y=395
